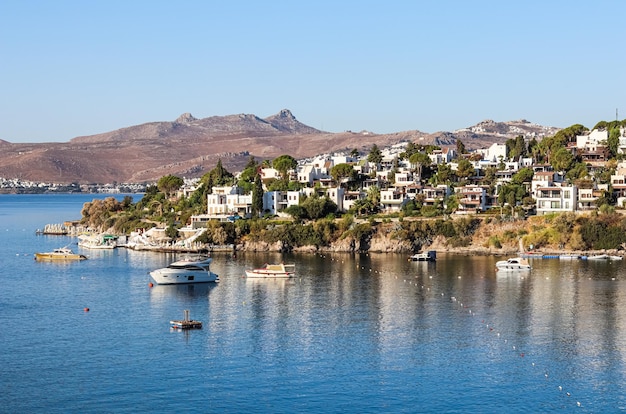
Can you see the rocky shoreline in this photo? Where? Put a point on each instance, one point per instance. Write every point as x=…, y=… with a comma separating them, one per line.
x=381, y=241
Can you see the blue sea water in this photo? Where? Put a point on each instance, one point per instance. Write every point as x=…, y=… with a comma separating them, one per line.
x=350, y=334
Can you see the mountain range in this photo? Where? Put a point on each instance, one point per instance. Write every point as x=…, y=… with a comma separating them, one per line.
x=191, y=147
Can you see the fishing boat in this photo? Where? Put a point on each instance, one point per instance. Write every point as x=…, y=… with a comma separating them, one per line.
x=187, y=270
x=272, y=271
x=512, y=264
x=61, y=254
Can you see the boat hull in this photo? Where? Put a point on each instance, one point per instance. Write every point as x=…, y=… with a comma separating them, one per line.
x=41, y=257
x=429, y=256
x=167, y=276
x=272, y=271
x=268, y=274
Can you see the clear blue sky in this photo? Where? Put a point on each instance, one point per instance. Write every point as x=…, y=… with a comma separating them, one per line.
x=73, y=68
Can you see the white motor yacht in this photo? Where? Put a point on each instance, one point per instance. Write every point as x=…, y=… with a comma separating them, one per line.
x=513, y=264
x=188, y=270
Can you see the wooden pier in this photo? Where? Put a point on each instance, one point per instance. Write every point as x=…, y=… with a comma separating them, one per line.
x=186, y=323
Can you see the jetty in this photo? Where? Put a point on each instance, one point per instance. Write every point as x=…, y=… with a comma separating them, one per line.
x=68, y=228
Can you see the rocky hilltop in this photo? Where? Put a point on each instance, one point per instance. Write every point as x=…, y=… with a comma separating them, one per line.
x=191, y=147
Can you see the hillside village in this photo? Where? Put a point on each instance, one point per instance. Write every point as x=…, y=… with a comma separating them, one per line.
x=445, y=181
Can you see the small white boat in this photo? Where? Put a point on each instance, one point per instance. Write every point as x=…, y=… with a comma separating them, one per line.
x=569, y=257
x=62, y=254
x=273, y=271
x=513, y=264
x=188, y=270
x=429, y=256
x=604, y=257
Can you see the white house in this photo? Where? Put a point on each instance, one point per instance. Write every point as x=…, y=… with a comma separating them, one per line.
x=442, y=156
x=472, y=199
x=621, y=146
x=556, y=199
x=225, y=201
x=591, y=141
x=495, y=153
x=274, y=202
x=392, y=199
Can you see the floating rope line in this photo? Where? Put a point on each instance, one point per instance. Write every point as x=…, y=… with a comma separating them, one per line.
x=519, y=353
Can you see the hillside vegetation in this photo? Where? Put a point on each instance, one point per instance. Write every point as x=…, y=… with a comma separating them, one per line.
x=488, y=233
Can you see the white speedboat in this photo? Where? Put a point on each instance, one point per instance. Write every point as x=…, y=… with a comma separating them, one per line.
x=273, y=271
x=188, y=270
x=512, y=264
x=61, y=254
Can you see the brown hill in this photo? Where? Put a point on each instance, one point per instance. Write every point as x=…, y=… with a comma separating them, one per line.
x=191, y=147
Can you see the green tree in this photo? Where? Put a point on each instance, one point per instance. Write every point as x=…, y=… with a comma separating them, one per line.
x=411, y=148
x=577, y=171
x=613, y=142
x=419, y=160
x=375, y=156
x=524, y=175
x=284, y=164
x=171, y=232
x=218, y=176
x=516, y=148
x=465, y=169
x=373, y=194
x=169, y=184
x=247, y=176
x=342, y=171
x=460, y=147
x=297, y=212
x=444, y=174
x=257, y=197
x=561, y=160
x=317, y=207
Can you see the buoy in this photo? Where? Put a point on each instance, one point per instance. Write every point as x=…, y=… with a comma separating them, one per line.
x=150, y=284
x=86, y=309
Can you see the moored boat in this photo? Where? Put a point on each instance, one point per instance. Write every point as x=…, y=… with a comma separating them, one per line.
x=272, y=271
x=429, y=256
x=61, y=254
x=188, y=270
x=512, y=264
x=603, y=257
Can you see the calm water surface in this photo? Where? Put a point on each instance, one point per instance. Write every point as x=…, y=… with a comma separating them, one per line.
x=351, y=333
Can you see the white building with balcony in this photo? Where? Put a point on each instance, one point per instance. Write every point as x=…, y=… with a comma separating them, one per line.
x=472, y=199
x=556, y=199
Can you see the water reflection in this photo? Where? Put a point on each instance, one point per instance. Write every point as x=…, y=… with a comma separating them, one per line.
x=189, y=292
